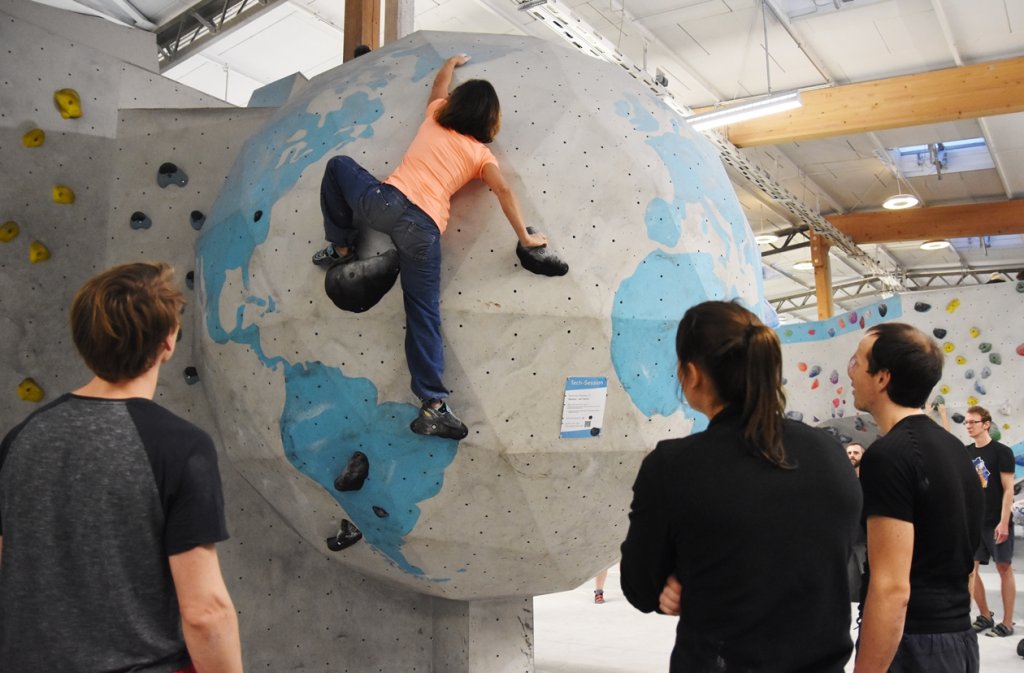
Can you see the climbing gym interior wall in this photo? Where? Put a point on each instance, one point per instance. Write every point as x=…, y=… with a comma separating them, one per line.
x=984, y=359
x=564, y=381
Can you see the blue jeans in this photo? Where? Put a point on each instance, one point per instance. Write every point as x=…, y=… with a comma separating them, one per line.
x=351, y=197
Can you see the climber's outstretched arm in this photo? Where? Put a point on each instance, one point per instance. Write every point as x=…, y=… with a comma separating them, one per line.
x=510, y=206
x=443, y=79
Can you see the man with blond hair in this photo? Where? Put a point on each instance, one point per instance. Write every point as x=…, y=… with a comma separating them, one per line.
x=995, y=465
x=110, y=506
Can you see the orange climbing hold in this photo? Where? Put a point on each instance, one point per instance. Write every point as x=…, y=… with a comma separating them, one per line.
x=30, y=391
x=33, y=138
x=37, y=252
x=9, y=231
x=63, y=194
x=69, y=103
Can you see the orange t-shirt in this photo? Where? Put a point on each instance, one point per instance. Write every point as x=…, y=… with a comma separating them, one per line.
x=437, y=164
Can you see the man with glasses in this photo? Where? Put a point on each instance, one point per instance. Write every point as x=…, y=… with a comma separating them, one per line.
x=923, y=507
x=995, y=466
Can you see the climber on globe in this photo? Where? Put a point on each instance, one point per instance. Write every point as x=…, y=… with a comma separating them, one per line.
x=412, y=206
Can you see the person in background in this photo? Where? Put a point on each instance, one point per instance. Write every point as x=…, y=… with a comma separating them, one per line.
x=599, y=586
x=743, y=530
x=412, y=206
x=855, y=452
x=110, y=506
x=995, y=466
x=923, y=507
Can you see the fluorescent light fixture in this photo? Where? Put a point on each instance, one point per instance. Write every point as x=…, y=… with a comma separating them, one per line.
x=762, y=108
x=765, y=239
x=900, y=201
x=803, y=266
x=934, y=245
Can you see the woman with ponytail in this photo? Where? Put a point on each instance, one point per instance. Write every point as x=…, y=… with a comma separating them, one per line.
x=743, y=529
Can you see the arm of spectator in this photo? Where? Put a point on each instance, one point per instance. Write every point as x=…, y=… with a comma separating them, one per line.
x=1003, y=527
x=943, y=416
x=208, y=618
x=648, y=554
x=890, y=550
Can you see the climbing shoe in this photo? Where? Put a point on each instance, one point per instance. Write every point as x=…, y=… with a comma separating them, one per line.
x=1000, y=630
x=440, y=422
x=599, y=596
x=982, y=623
x=329, y=256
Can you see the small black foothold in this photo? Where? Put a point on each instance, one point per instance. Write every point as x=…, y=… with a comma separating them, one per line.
x=257, y=216
x=190, y=279
x=140, y=220
x=381, y=512
x=347, y=536
x=594, y=432
x=883, y=309
x=957, y=418
x=180, y=333
x=922, y=307
x=354, y=474
x=541, y=260
x=170, y=174
x=191, y=375
x=197, y=219
x=939, y=333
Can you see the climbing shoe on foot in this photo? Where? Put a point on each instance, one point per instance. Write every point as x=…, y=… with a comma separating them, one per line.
x=982, y=623
x=329, y=256
x=440, y=422
x=1000, y=630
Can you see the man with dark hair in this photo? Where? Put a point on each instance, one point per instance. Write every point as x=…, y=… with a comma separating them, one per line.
x=995, y=465
x=110, y=506
x=855, y=452
x=922, y=505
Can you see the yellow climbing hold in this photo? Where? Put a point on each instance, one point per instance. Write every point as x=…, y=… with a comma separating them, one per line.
x=37, y=252
x=961, y=360
x=63, y=194
x=9, y=231
x=69, y=103
x=30, y=391
x=952, y=306
x=33, y=138
x=944, y=390
x=948, y=347
x=975, y=332
x=972, y=401
x=1006, y=426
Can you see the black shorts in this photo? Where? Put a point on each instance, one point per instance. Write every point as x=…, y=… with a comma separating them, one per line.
x=988, y=549
x=937, y=653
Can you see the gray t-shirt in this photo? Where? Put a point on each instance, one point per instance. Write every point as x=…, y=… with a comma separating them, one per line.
x=95, y=494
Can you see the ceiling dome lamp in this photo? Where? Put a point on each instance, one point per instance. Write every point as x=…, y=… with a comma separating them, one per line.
x=934, y=245
x=902, y=200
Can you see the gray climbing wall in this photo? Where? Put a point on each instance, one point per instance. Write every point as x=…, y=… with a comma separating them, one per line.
x=978, y=328
x=457, y=537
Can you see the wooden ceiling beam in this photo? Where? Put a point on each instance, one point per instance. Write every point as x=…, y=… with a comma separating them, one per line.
x=965, y=92
x=936, y=222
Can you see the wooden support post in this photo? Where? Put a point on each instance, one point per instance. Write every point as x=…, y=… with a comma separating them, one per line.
x=822, y=274
x=398, y=19
x=362, y=26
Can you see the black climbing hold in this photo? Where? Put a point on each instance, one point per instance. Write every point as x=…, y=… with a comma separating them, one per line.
x=845, y=439
x=170, y=174
x=1020, y=288
x=347, y=536
x=358, y=286
x=354, y=474
x=541, y=260
x=939, y=333
x=190, y=279
x=257, y=216
x=180, y=333
x=197, y=219
x=831, y=431
x=594, y=432
x=191, y=375
x=957, y=418
x=1020, y=645
x=922, y=307
x=380, y=512
x=140, y=220
x=883, y=309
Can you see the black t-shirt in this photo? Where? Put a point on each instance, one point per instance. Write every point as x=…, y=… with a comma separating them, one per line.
x=761, y=551
x=920, y=473
x=95, y=494
x=990, y=461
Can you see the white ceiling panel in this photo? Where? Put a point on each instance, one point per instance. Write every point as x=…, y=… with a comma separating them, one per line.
x=985, y=29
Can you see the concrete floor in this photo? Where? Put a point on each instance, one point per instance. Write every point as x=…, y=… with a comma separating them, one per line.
x=573, y=635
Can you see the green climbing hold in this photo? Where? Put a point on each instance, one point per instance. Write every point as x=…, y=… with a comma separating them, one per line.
x=995, y=359
x=984, y=347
